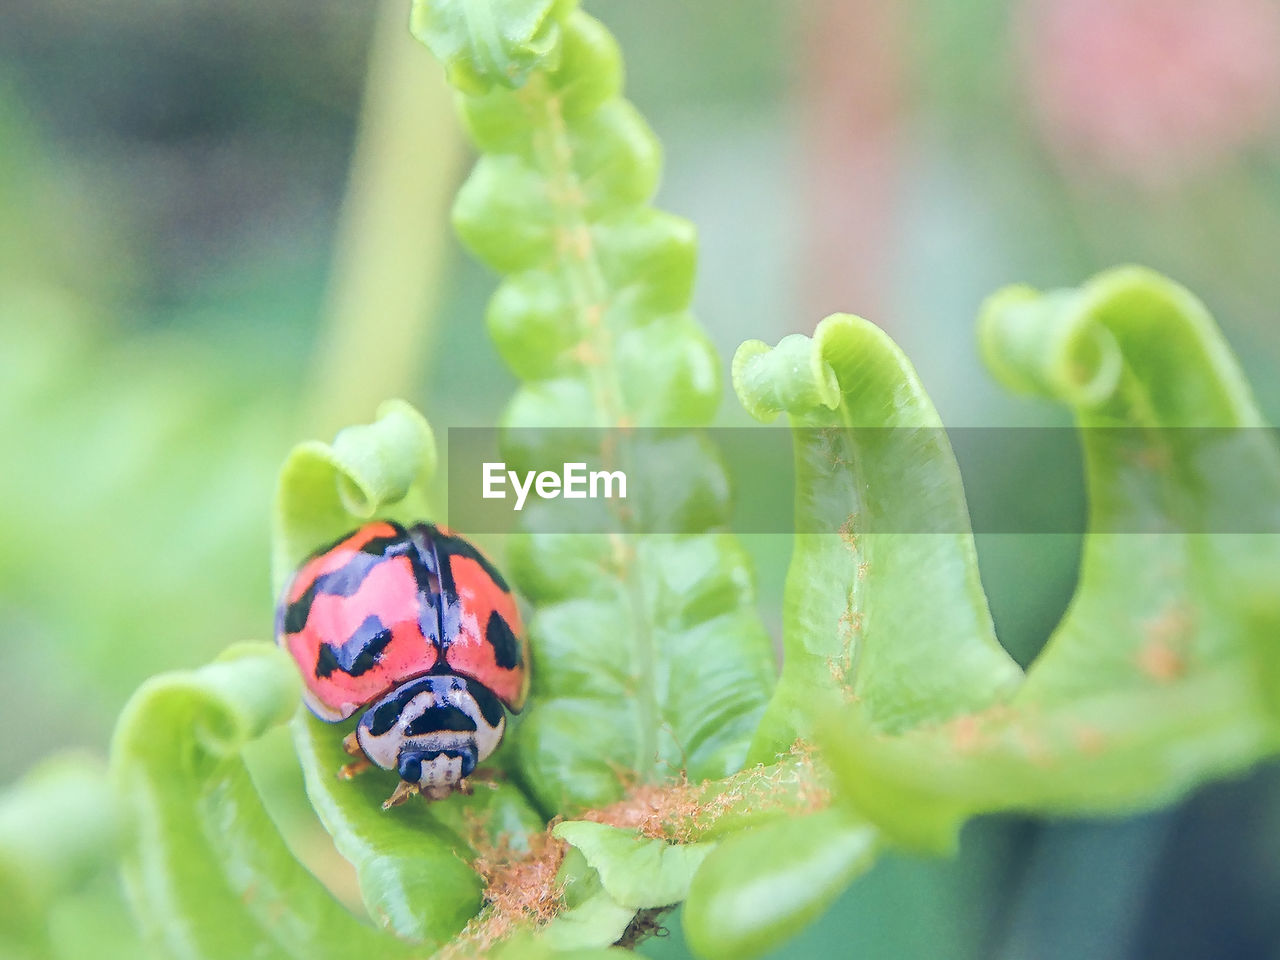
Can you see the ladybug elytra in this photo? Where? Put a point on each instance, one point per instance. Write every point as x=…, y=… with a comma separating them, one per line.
x=417, y=629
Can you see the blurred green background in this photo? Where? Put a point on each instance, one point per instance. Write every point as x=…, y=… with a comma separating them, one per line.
x=223, y=229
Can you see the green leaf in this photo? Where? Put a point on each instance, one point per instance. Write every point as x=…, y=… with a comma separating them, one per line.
x=413, y=861
x=597, y=921
x=762, y=885
x=1155, y=680
x=589, y=918
x=549, y=945
x=650, y=643
x=636, y=871
x=208, y=873
x=894, y=621
x=93, y=922
x=326, y=490
x=676, y=686
x=411, y=876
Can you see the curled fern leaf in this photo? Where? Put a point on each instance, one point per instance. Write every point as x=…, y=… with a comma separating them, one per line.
x=1151, y=683
x=208, y=873
x=896, y=622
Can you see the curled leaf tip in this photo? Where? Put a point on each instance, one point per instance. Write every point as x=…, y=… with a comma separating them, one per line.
x=789, y=377
x=381, y=467
x=1113, y=346
x=487, y=43
x=207, y=871
x=1046, y=344
x=210, y=712
x=325, y=490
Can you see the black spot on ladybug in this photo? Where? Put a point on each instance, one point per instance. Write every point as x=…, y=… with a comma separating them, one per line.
x=490, y=706
x=295, y=615
x=399, y=536
x=384, y=714
x=443, y=717
x=387, y=546
x=506, y=651
x=343, y=582
x=382, y=717
x=359, y=654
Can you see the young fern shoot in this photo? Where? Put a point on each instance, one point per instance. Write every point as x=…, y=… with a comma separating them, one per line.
x=592, y=315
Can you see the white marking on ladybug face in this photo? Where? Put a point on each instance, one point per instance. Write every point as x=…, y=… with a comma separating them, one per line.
x=431, y=730
x=443, y=771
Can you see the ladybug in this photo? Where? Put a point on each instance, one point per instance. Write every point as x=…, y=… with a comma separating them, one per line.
x=417, y=629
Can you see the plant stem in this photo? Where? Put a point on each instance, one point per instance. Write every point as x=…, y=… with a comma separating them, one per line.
x=392, y=239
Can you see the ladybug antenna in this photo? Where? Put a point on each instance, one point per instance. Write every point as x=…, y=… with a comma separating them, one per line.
x=402, y=792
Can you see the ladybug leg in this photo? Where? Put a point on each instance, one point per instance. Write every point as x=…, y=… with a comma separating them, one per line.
x=352, y=770
x=402, y=792
x=353, y=749
x=465, y=787
x=491, y=777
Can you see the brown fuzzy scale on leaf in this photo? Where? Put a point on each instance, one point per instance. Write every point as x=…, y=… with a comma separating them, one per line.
x=522, y=890
x=682, y=812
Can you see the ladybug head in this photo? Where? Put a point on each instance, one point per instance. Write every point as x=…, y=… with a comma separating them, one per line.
x=432, y=730
x=435, y=769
